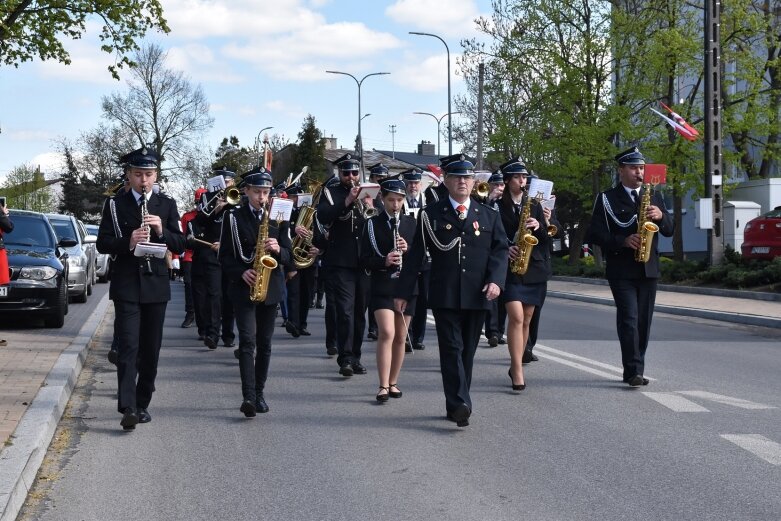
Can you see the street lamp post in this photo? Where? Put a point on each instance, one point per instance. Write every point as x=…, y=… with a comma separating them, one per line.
x=257, y=144
x=449, y=112
x=439, y=120
x=359, y=83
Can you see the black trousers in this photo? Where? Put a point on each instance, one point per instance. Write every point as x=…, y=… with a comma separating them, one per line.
x=534, y=325
x=228, y=315
x=350, y=289
x=207, y=296
x=255, y=323
x=417, y=327
x=458, y=332
x=138, y=329
x=299, y=296
x=188, y=295
x=330, y=310
x=634, y=300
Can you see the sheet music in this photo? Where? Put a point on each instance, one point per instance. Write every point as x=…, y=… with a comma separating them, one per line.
x=216, y=183
x=304, y=200
x=542, y=189
x=281, y=209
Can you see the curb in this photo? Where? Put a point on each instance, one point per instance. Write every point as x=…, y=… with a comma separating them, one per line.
x=721, y=316
x=19, y=462
x=717, y=292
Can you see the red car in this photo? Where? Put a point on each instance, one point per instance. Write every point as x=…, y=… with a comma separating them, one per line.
x=762, y=236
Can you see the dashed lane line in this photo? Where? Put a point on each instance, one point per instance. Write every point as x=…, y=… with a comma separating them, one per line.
x=675, y=402
x=758, y=445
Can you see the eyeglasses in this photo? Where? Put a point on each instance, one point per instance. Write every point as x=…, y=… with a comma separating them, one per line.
x=353, y=173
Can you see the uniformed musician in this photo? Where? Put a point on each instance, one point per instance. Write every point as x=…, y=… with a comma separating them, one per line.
x=413, y=202
x=384, y=246
x=254, y=320
x=343, y=214
x=633, y=283
x=140, y=287
x=377, y=174
x=204, y=238
x=301, y=281
x=468, y=249
x=522, y=293
x=191, y=314
x=496, y=315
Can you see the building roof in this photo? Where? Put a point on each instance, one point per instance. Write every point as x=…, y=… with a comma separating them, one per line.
x=412, y=158
x=370, y=157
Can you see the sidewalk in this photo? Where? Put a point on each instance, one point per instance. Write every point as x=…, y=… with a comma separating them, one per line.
x=720, y=305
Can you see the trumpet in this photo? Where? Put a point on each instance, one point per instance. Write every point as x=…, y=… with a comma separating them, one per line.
x=366, y=211
x=481, y=189
x=230, y=195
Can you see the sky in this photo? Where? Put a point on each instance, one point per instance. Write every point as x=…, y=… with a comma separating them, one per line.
x=261, y=64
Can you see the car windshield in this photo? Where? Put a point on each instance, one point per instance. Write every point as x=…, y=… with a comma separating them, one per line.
x=92, y=229
x=63, y=229
x=773, y=214
x=29, y=231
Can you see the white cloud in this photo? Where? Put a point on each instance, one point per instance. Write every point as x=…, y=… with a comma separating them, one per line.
x=29, y=135
x=288, y=110
x=50, y=162
x=88, y=64
x=200, y=63
x=428, y=75
x=453, y=18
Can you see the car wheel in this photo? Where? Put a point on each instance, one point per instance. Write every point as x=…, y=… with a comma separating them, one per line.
x=57, y=318
x=81, y=298
x=89, y=288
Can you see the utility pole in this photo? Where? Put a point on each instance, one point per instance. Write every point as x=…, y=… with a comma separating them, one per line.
x=713, y=157
x=392, y=130
x=480, y=79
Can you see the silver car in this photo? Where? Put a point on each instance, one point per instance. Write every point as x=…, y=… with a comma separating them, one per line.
x=103, y=259
x=81, y=258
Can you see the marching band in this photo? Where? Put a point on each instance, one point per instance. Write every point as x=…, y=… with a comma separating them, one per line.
x=476, y=254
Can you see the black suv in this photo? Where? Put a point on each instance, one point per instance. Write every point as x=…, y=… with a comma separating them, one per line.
x=39, y=269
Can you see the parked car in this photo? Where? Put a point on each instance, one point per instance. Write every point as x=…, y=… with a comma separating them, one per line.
x=39, y=269
x=81, y=259
x=762, y=236
x=103, y=260
x=93, y=253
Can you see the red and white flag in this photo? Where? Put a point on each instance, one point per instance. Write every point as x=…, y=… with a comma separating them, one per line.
x=678, y=123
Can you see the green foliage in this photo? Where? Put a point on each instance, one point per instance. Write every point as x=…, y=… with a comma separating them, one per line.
x=585, y=267
x=34, y=28
x=232, y=156
x=25, y=188
x=311, y=150
x=82, y=196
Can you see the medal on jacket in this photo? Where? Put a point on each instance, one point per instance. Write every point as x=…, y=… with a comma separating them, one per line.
x=476, y=226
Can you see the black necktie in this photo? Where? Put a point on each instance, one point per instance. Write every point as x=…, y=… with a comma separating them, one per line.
x=258, y=214
x=634, y=196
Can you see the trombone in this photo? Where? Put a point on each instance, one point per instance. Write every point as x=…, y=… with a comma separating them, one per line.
x=230, y=195
x=481, y=189
x=367, y=211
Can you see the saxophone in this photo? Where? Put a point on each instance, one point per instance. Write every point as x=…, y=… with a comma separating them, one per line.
x=264, y=264
x=645, y=228
x=524, y=240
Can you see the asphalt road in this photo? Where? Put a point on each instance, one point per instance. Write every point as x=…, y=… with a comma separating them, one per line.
x=700, y=442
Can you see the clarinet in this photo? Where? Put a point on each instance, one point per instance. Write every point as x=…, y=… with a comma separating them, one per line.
x=144, y=213
x=395, y=227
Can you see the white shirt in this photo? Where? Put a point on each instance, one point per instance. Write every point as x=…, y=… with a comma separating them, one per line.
x=456, y=204
x=138, y=196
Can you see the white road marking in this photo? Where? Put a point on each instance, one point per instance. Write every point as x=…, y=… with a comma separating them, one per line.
x=726, y=400
x=581, y=367
x=758, y=445
x=566, y=354
x=676, y=403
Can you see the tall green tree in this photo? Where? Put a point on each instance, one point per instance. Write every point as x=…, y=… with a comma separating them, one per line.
x=310, y=150
x=26, y=188
x=81, y=196
x=236, y=158
x=35, y=28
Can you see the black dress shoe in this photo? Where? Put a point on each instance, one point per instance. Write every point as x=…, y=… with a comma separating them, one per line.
x=461, y=415
x=346, y=370
x=331, y=351
x=394, y=394
x=284, y=323
x=188, y=321
x=635, y=381
x=144, y=416
x=382, y=397
x=372, y=335
x=318, y=305
x=407, y=347
x=200, y=336
x=113, y=356
x=529, y=357
x=646, y=381
x=228, y=343
x=358, y=368
x=420, y=346
x=236, y=353
x=502, y=340
x=516, y=387
x=210, y=342
x=304, y=332
x=129, y=419
x=493, y=341
x=248, y=408
x=292, y=329
x=260, y=404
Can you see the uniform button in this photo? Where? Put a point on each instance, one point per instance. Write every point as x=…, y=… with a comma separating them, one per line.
x=463, y=270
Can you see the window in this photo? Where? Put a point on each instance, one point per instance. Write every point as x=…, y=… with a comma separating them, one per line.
x=29, y=231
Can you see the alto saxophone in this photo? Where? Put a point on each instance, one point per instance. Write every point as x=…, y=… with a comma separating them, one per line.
x=264, y=264
x=524, y=240
x=645, y=228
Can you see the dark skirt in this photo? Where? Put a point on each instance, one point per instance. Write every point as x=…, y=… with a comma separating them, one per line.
x=530, y=294
x=386, y=302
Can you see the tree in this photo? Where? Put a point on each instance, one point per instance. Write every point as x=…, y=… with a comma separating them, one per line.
x=234, y=157
x=30, y=28
x=311, y=150
x=26, y=188
x=162, y=108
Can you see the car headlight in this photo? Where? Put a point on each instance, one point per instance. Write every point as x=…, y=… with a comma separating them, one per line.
x=37, y=273
x=75, y=262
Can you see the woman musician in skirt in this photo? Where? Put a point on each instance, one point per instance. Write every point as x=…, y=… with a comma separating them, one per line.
x=384, y=246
